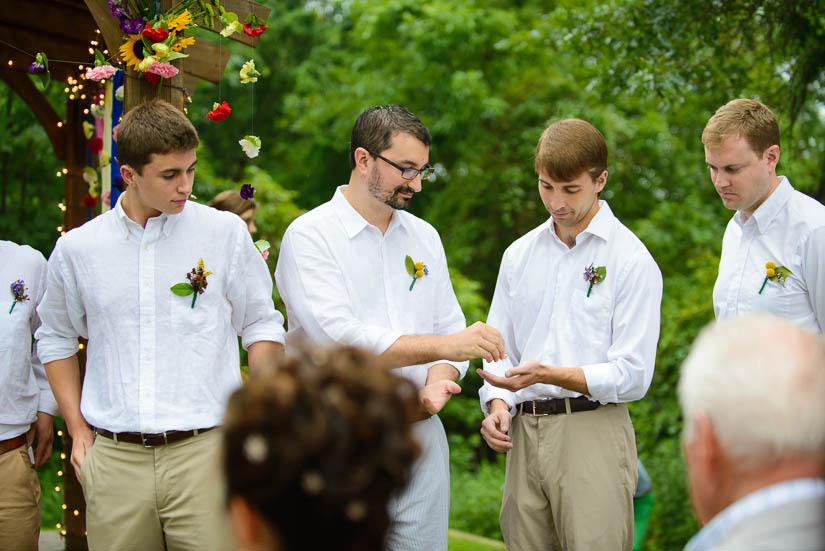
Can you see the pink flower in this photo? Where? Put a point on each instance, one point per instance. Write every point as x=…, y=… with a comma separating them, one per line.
x=265, y=254
x=99, y=73
x=164, y=69
x=114, y=132
x=106, y=197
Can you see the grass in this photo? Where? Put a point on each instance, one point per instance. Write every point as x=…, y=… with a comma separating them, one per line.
x=462, y=541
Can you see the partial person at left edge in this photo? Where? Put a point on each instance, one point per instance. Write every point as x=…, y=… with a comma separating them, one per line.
x=26, y=402
x=162, y=288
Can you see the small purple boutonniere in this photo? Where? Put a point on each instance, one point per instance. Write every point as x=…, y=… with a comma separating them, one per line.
x=18, y=291
x=594, y=276
x=416, y=269
x=197, y=283
x=774, y=273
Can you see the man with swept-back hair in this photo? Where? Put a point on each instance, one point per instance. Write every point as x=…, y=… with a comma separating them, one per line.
x=361, y=271
x=773, y=251
x=751, y=393
x=577, y=300
x=161, y=288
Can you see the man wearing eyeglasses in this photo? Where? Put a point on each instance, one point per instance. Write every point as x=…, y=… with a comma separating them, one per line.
x=359, y=270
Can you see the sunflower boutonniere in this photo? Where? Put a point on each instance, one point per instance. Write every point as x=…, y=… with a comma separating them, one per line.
x=774, y=273
x=416, y=269
x=594, y=276
x=196, y=285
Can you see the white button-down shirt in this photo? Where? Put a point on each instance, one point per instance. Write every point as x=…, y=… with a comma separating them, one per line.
x=788, y=229
x=343, y=281
x=542, y=309
x=154, y=363
x=24, y=389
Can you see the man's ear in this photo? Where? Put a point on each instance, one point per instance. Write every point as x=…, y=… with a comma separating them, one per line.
x=601, y=181
x=128, y=174
x=772, y=156
x=362, y=157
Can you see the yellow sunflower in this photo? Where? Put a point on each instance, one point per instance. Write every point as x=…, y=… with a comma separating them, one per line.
x=181, y=22
x=183, y=43
x=131, y=51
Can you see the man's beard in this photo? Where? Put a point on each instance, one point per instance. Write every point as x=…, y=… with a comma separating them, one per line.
x=391, y=198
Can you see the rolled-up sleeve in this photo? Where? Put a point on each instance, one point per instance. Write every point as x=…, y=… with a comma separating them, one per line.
x=313, y=288
x=449, y=319
x=61, y=312
x=631, y=356
x=254, y=316
x=500, y=318
x=813, y=268
x=45, y=402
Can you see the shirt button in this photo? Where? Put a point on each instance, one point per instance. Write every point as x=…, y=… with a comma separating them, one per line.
x=148, y=320
x=146, y=247
x=147, y=430
x=148, y=358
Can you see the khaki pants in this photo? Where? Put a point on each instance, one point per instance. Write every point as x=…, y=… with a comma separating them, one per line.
x=570, y=481
x=167, y=497
x=19, y=501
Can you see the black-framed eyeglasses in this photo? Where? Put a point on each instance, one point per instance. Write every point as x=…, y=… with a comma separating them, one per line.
x=408, y=173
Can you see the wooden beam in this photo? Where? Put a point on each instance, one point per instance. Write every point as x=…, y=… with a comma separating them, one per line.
x=108, y=25
x=206, y=60
x=242, y=8
x=39, y=106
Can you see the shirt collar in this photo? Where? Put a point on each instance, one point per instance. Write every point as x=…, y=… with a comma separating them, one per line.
x=167, y=221
x=768, y=210
x=601, y=225
x=353, y=221
x=754, y=504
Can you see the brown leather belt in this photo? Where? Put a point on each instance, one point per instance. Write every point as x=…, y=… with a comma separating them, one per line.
x=12, y=443
x=151, y=440
x=557, y=405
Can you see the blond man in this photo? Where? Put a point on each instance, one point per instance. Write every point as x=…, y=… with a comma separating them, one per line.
x=577, y=301
x=162, y=288
x=773, y=250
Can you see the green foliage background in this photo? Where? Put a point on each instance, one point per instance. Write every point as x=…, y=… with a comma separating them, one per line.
x=487, y=77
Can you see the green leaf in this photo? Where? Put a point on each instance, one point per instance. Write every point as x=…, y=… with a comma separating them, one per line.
x=182, y=289
x=171, y=56
x=99, y=59
x=410, y=265
x=602, y=272
x=262, y=245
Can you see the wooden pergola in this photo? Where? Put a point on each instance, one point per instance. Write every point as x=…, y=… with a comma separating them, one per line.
x=64, y=30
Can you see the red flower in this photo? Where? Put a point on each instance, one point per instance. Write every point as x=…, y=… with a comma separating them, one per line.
x=219, y=113
x=254, y=31
x=95, y=145
x=152, y=78
x=89, y=202
x=154, y=35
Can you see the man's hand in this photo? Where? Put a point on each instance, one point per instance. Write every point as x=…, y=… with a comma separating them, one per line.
x=82, y=440
x=528, y=373
x=495, y=426
x=435, y=395
x=477, y=341
x=42, y=432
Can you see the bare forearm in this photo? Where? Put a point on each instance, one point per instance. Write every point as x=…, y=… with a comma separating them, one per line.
x=64, y=378
x=571, y=378
x=264, y=355
x=441, y=372
x=413, y=350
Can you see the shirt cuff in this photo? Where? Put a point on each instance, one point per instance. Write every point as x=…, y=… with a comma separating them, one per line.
x=266, y=331
x=382, y=338
x=50, y=349
x=47, y=403
x=461, y=367
x=487, y=393
x=601, y=384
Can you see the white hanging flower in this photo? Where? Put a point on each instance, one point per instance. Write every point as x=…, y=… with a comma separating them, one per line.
x=251, y=145
x=249, y=73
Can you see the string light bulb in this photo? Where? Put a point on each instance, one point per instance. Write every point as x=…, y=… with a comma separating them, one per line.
x=80, y=67
x=60, y=124
x=81, y=346
x=62, y=532
x=62, y=455
x=75, y=512
x=59, y=433
x=58, y=526
x=59, y=228
x=11, y=63
x=57, y=488
x=64, y=506
x=59, y=473
x=65, y=170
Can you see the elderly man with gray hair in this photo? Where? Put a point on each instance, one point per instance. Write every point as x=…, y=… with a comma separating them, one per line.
x=752, y=392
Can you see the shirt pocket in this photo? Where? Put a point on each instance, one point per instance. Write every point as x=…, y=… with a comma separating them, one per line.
x=590, y=319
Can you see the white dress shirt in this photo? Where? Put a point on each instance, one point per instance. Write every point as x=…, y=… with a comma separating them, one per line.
x=344, y=282
x=154, y=363
x=24, y=389
x=788, y=229
x=542, y=309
